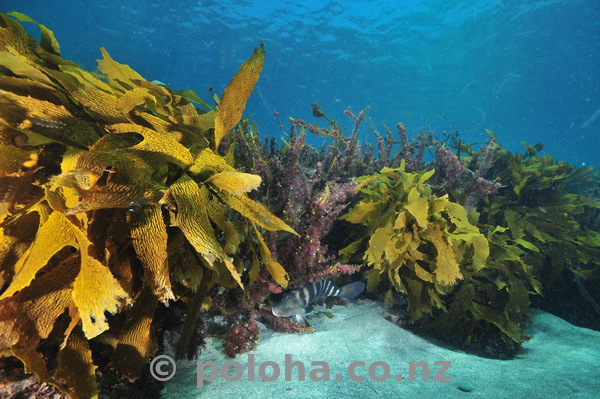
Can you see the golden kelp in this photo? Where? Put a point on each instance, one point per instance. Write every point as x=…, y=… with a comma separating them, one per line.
x=422, y=243
x=236, y=93
x=425, y=246
x=537, y=230
x=468, y=278
x=108, y=183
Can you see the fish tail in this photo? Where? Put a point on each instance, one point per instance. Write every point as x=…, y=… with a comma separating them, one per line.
x=352, y=290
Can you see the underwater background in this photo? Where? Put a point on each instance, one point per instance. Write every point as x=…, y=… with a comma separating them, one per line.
x=139, y=221
x=527, y=70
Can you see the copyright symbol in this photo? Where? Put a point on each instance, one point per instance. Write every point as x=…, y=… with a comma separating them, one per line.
x=163, y=368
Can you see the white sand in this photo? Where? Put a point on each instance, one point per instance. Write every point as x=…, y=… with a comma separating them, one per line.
x=561, y=360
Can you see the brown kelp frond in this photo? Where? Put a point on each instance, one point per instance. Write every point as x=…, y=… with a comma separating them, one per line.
x=422, y=242
x=113, y=199
x=236, y=94
x=466, y=269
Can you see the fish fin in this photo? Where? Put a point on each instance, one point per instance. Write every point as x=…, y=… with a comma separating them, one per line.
x=319, y=301
x=309, y=308
x=351, y=291
x=301, y=321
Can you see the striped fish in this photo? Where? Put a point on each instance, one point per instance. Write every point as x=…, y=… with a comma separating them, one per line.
x=295, y=302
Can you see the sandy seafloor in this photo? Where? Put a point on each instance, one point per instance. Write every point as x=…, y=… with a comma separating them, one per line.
x=560, y=361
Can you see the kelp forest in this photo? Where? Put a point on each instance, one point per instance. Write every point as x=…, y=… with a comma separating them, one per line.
x=131, y=213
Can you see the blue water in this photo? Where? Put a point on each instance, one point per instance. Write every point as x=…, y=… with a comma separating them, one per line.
x=527, y=70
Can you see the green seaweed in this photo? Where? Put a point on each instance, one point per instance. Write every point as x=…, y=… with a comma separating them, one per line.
x=465, y=288
x=545, y=218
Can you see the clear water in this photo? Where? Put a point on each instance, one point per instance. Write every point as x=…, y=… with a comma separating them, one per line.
x=527, y=70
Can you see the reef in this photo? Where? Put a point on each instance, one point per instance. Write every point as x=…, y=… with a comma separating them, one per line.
x=131, y=212
x=465, y=240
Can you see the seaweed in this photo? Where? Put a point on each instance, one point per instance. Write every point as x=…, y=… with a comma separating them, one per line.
x=114, y=198
x=522, y=227
x=549, y=219
x=120, y=196
x=422, y=243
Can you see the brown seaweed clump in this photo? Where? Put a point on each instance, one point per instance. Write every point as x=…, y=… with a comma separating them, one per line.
x=113, y=199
